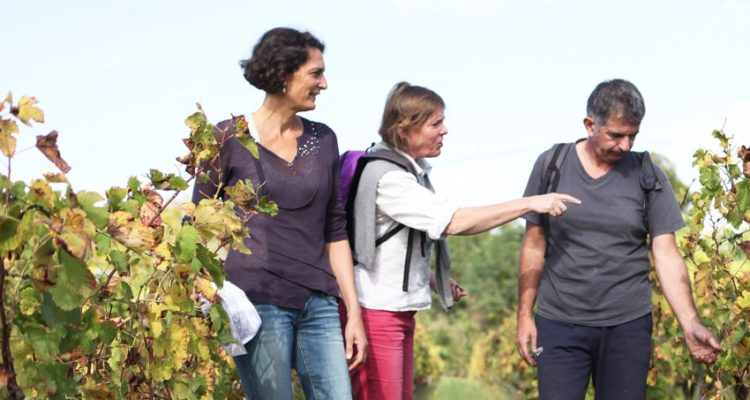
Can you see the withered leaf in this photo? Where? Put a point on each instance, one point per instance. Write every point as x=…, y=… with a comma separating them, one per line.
x=123, y=228
x=150, y=210
x=47, y=144
x=744, y=154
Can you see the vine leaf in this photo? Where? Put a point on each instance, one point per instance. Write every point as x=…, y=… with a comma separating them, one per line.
x=744, y=154
x=212, y=265
x=47, y=144
x=187, y=243
x=268, y=206
x=149, y=212
x=75, y=235
x=7, y=141
x=123, y=228
x=55, y=177
x=242, y=133
x=28, y=111
x=98, y=215
x=241, y=193
x=74, y=283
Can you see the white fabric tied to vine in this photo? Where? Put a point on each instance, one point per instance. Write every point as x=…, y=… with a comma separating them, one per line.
x=244, y=320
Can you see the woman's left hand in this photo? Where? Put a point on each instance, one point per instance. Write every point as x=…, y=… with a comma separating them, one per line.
x=355, y=340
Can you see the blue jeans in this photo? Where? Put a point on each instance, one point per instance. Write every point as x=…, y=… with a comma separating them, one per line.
x=308, y=340
x=616, y=358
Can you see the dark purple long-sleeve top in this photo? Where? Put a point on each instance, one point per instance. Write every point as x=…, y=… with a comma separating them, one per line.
x=289, y=260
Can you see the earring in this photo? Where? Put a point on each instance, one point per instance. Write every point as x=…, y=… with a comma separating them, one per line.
x=283, y=90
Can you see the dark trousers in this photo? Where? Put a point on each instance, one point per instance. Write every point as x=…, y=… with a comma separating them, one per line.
x=616, y=358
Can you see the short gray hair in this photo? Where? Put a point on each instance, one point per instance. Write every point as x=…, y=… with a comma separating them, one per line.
x=619, y=96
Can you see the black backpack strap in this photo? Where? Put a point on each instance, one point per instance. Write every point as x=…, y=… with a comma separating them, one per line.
x=407, y=261
x=649, y=182
x=362, y=162
x=551, y=173
x=389, y=234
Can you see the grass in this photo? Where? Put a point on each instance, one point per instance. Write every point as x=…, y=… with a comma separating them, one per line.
x=460, y=388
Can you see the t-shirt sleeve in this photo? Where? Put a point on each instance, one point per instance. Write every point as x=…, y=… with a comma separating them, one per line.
x=532, y=188
x=335, y=214
x=404, y=200
x=664, y=214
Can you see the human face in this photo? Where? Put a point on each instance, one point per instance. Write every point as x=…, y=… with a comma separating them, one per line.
x=611, y=140
x=306, y=83
x=427, y=140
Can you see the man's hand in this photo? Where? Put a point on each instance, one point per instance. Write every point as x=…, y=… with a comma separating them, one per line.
x=526, y=339
x=457, y=291
x=702, y=343
x=355, y=341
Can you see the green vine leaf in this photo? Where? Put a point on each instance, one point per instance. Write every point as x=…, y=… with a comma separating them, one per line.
x=98, y=215
x=74, y=283
x=187, y=243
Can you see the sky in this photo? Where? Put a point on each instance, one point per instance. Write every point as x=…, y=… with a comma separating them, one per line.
x=116, y=79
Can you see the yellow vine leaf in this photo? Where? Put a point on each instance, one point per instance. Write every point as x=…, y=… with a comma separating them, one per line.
x=743, y=302
x=55, y=177
x=209, y=371
x=702, y=282
x=201, y=333
x=40, y=189
x=204, y=286
x=155, y=318
x=8, y=128
x=179, y=338
x=208, y=218
x=125, y=229
x=28, y=111
x=188, y=208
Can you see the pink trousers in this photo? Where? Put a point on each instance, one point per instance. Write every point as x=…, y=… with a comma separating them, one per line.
x=388, y=371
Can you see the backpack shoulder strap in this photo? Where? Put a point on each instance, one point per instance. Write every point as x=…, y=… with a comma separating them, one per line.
x=392, y=157
x=551, y=173
x=649, y=180
x=551, y=167
x=388, y=156
x=362, y=161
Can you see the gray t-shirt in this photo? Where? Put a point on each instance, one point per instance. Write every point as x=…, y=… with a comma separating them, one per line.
x=596, y=268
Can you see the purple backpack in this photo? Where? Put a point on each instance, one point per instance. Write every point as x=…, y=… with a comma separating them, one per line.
x=347, y=168
x=351, y=165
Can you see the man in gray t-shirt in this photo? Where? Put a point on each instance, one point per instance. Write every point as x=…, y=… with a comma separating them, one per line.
x=587, y=270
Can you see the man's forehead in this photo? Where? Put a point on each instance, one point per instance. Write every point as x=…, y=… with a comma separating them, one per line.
x=619, y=119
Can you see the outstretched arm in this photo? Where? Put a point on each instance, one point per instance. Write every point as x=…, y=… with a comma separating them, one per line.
x=675, y=283
x=530, y=268
x=354, y=333
x=473, y=220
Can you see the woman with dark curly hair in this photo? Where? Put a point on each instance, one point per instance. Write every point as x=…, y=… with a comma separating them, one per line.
x=301, y=263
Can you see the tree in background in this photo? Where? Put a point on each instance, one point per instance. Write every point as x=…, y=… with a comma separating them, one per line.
x=486, y=266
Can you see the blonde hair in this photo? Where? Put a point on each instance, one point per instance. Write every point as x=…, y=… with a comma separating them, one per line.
x=407, y=106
